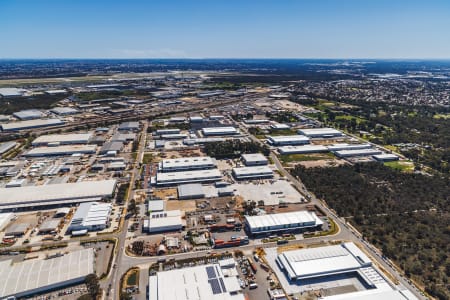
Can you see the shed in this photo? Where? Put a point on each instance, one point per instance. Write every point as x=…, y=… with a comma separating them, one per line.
x=17, y=229
x=50, y=225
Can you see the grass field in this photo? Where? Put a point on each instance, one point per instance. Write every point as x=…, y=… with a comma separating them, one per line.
x=89, y=78
x=305, y=157
x=348, y=118
x=404, y=166
x=442, y=116
x=148, y=158
x=391, y=147
x=132, y=278
x=283, y=132
x=27, y=81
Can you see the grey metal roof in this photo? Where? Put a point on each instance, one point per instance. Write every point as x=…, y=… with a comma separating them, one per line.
x=25, y=277
x=49, y=225
x=4, y=147
x=190, y=190
x=28, y=114
x=155, y=205
x=30, y=124
x=111, y=146
x=61, y=193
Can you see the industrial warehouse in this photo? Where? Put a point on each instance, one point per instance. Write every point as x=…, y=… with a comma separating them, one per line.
x=61, y=150
x=302, y=149
x=62, y=139
x=30, y=124
x=357, y=152
x=64, y=111
x=38, y=275
x=173, y=178
x=169, y=220
x=186, y=164
x=90, y=216
x=285, y=140
x=190, y=191
x=29, y=114
x=320, y=132
x=55, y=194
x=200, y=282
x=257, y=172
x=345, y=146
x=219, y=131
x=331, y=267
x=5, y=147
x=309, y=263
x=254, y=159
x=282, y=222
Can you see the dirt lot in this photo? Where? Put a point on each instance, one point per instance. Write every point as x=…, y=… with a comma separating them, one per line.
x=191, y=99
x=289, y=207
x=323, y=163
x=286, y=104
x=184, y=205
x=218, y=203
x=166, y=193
x=181, y=153
x=140, y=197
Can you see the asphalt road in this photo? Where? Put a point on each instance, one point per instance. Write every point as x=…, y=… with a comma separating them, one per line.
x=113, y=280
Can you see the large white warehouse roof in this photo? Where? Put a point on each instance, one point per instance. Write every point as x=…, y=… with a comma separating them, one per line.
x=254, y=159
x=358, y=152
x=219, y=130
x=64, y=110
x=288, y=140
x=186, y=163
x=6, y=146
x=11, y=92
x=164, y=221
x=302, y=149
x=73, y=138
x=252, y=172
x=316, y=262
x=61, y=150
x=320, y=132
x=90, y=216
x=280, y=221
x=38, y=275
x=345, y=146
x=28, y=114
x=188, y=177
x=22, y=125
x=206, y=282
x=63, y=193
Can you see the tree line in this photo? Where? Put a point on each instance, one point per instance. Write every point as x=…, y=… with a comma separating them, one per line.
x=406, y=215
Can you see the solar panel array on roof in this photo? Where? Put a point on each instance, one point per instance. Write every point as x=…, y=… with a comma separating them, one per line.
x=222, y=284
x=211, y=272
x=215, y=286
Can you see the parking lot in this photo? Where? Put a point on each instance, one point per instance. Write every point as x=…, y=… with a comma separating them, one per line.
x=248, y=277
x=271, y=192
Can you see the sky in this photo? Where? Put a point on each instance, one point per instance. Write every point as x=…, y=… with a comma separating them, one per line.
x=225, y=29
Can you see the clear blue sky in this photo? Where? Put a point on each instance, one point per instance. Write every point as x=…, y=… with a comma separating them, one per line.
x=225, y=29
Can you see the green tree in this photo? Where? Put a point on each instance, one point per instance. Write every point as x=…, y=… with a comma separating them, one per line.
x=93, y=285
